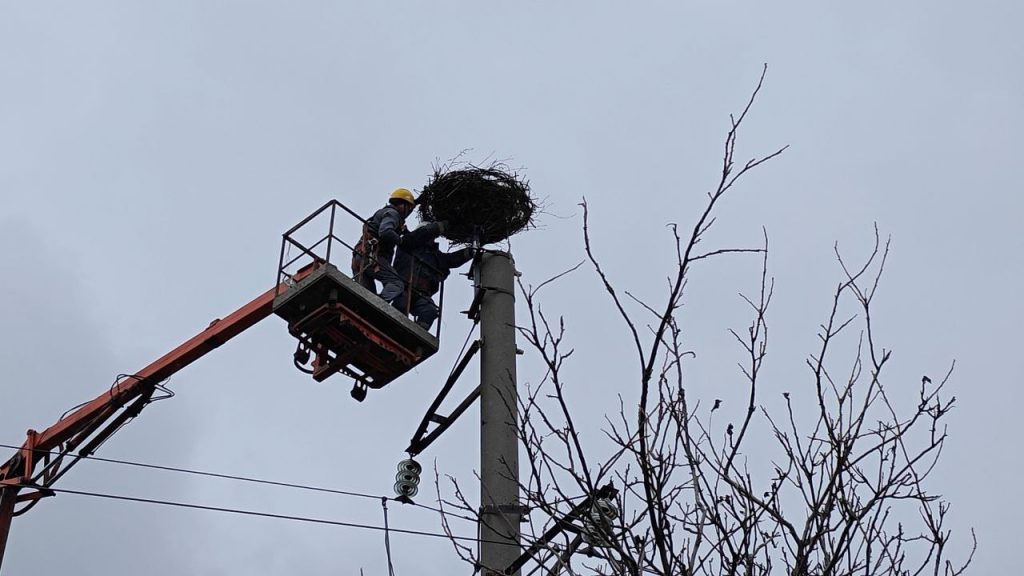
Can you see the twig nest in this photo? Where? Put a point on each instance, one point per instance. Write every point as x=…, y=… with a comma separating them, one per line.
x=492, y=202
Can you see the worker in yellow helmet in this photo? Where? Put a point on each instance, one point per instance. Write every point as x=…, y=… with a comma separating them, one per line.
x=382, y=232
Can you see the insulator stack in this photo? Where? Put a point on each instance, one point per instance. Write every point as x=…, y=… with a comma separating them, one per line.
x=597, y=525
x=407, y=480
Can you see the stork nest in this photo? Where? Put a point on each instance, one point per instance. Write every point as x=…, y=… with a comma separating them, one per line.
x=489, y=203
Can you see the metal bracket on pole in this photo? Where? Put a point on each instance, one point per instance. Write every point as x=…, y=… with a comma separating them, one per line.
x=506, y=509
x=421, y=439
x=474, y=308
x=564, y=524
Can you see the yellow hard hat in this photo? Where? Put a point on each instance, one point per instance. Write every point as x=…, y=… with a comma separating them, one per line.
x=403, y=194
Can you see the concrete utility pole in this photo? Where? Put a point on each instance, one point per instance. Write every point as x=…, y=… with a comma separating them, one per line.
x=499, y=441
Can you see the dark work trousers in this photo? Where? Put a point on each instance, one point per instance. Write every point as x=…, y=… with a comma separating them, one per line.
x=422, y=308
x=393, y=286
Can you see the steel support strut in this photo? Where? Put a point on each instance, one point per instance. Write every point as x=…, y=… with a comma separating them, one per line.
x=567, y=523
x=421, y=439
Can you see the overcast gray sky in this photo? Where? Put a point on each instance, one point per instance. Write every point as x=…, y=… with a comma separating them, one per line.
x=151, y=153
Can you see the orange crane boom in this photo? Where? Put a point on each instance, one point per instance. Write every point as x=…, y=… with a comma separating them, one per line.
x=340, y=325
x=41, y=460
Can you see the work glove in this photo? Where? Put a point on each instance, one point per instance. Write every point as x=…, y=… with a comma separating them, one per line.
x=434, y=229
x=421, y=235
x=464, y=255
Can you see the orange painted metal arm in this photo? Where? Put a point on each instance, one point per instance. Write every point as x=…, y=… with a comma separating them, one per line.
x=43, y=453
x=110, y=407
x=217, y=333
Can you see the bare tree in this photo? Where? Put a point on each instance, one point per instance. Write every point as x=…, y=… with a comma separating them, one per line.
x=838, y=488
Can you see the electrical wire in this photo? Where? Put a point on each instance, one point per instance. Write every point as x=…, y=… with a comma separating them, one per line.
x=462, y=351
x=271, y=515
x=241, y=479
x=168, y=393
x=117, y=380
x=387, y=537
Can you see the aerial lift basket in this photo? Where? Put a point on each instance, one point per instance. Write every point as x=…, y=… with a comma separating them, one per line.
x=341, y=326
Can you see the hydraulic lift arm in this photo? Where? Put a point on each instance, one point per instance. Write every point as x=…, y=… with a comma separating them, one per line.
x=339, y=324
x=24, y=478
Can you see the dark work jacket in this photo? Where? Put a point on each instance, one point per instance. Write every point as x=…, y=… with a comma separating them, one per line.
x=431, y=265
x=386, y=225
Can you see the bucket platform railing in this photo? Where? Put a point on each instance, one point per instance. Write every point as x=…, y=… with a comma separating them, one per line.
x=343, y=327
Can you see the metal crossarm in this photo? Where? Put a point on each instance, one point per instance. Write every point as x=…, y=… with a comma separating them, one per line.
x=421, y=439
x=564, y=524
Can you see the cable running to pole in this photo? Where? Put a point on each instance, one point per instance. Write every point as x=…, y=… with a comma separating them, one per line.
x=242, y=512
x=236, y=478
x=387, y=536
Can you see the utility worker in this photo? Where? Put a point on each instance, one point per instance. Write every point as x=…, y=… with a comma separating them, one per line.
x=371, y=258
x=424, y=268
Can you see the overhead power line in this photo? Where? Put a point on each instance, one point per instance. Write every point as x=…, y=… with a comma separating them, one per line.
x=243, y=479
x=222, y=509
